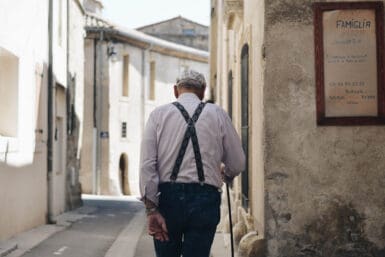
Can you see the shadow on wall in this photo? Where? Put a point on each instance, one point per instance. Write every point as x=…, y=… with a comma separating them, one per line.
x=73, y=187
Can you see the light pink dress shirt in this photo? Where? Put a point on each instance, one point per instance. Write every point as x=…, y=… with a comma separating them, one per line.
x=164, y=131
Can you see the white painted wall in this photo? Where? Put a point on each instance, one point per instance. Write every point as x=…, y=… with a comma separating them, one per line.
x=23, y=158
x=23, y=190
x=129, y=109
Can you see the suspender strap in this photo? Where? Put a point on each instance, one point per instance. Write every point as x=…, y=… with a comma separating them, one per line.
x=190, y=132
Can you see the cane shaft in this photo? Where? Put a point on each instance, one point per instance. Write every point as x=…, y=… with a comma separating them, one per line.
x=230, y=220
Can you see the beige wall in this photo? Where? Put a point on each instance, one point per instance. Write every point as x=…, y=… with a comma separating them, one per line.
x=18, y=184
x=87, y=161
x=325, y=184
x=136, y=108
x=236, y=27
x=314, y=190
x=132, y=109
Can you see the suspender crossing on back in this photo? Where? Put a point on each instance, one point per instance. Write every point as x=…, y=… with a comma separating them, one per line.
x=190, y=132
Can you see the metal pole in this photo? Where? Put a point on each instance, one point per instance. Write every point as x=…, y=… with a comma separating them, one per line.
x=230, y=220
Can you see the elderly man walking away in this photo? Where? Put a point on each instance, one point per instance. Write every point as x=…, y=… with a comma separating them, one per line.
x=183, y=148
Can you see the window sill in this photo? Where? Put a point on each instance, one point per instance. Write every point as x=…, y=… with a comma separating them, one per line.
x=9, y=144
x=125, y=99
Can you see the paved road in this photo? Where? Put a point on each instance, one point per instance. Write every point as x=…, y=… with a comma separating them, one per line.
x=93, y=235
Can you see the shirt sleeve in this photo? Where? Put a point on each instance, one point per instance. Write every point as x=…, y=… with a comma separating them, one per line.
x=149, y=175
x=233, y=154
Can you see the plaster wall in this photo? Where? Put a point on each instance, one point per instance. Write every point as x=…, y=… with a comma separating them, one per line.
x=23, y=190
x=87, y=161
x=60, y=41
x=254, y=24
x=167, y=71
x=174, y=30
x=102, y=114
x=324, y=185
x=75, y=102
x=136, y=108
x=235, y=29
x=125, y=109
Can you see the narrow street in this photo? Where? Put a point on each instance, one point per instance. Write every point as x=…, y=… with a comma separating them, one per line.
x=93, y=233
x=104, y=226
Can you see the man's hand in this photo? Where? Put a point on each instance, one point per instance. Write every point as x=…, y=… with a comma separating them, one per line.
x=157, y=226
x=225, y=178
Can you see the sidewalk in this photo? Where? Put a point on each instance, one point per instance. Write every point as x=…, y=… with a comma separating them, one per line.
x=23, y=242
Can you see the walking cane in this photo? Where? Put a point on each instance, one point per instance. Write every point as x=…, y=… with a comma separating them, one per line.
x=230, y=220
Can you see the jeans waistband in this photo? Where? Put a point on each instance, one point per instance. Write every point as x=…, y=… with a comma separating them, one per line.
x=187, y=187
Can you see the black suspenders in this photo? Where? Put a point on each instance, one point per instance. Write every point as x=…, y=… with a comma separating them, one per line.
x=190, y=132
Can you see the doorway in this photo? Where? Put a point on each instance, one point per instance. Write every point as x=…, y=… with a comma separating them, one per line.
x=245, y=121
x=123, y=175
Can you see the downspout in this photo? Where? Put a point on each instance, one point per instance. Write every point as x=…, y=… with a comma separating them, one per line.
x=68, y=103
x=95, y=127
x=99, y=108
x=49, y=217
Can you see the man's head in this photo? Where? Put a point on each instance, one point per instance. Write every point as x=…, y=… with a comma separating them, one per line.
x=190, y=81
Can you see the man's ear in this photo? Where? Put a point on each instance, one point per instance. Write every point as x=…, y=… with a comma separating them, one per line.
x=201, y=93
x=176, y=93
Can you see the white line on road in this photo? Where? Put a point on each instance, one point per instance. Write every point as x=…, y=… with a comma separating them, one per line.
x=61, y=250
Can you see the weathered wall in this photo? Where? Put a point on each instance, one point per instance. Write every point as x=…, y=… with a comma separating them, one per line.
x=75, y=101
x=255, y=26
x=173, y=30
x=324, y=185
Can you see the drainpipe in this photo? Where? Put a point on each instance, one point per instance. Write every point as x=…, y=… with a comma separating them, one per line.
x=98, y=76
x=50, y=114
x=95, y=132
x=68, y=195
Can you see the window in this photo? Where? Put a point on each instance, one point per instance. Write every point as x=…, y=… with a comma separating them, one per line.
x=151, y=93
x=60, y=22
x=9, y=90
x=188, y=32
x=230, y=94
x=245, y=121
x=125, y=85
x=124, y=129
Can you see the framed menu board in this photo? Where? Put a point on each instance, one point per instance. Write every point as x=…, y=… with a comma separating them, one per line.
x=349, y=45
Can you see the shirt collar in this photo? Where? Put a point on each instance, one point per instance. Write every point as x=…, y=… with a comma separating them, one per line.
x=190, y=97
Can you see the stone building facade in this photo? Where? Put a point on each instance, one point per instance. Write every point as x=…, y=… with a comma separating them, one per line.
x=309, y=190
x=38, y=179
x=128, y=74
x=181, y=31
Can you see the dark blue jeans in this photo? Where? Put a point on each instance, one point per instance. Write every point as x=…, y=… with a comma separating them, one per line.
x=192, y=214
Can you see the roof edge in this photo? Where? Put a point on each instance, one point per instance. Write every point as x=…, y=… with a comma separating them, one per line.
x=164, y=21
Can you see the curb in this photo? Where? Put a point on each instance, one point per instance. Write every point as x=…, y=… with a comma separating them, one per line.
x=25, y=241
x=126, y=242
x=6, y=248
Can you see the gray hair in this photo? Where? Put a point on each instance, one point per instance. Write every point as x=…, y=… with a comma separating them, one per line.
x=191, y=78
